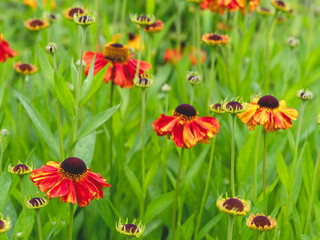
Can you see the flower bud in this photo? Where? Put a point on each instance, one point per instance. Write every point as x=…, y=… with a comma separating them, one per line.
x=193, y=77
x=144, y=80
x=51, y=48
x=166, y=88
x=293, y=42
x=304, y=94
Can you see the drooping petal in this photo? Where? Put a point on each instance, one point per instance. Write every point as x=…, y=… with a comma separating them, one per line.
x=165, y=124
x=177, y=135
x=99, y=62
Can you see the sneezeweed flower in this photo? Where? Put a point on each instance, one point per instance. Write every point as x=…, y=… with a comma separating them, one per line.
x=216, y=108
x=20, y=169
x=70, y=12
x=50, y=17
x=185, y=127
x=173, y=56
x=157, y=26
x=253, y=4
x=142, y=20
x=166, y=88
x=214, y=39
x=193, y=77
x=130, y=229
x=36, y=24
x=122, y=68
x=5, y=50
x=84, y=20
x=71, y=181
x=134, y=41
x=280, y=5
x=25, y=68
x=264, y=11
x=33, y=3
x=5, y=225
x=36, y=203
x=233, y=206
x=261, y=223
x=280, y=20
x=304, y=94
x=269, y=112
x=195, y=1
x=234, y=107
x=293, y=42
x=51, y=48
x=144, y=80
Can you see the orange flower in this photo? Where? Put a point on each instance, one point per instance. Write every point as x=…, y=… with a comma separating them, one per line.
x=269, y=112
x=185, y=127
x=253, y=4
x=71, y=181
x=25, y=68
x=221, y=5
x=5, y=50
x=157, y=26
x=172, y=55
x=214, y=39
x=122, y=68
x=69, y=12
x=36, y=24
x=33, y=3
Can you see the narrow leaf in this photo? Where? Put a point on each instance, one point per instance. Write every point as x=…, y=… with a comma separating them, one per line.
x=158, y=205
x=133, y=180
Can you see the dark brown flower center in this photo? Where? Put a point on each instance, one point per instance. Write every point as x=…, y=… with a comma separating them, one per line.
x=52, y=17
x=36, y=23
x=143, y=81
x=264, y=9
x=116, y=52
x=116, y=45
x=215, y=37
x=143, y=18
x=85, y=19
x=268, y=101
x=36, y=202
x=20, y=168
x=233, y=203
x=131, y=36
x=130, y=228
x=74, y=11
x=280, y=3
x=74, y=165
x=2, y=225
x=186, y=110
x=261, y=221
x=234, y=105
x=25, y=67
x=217, y=106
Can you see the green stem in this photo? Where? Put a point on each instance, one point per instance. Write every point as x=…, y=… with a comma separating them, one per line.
x=260, y=235
x=143, y=100
x=39, y=223
x=76, y=119
x=313, y=191
x=176, y=194
x=166, y=103
x=149, y=49
x=70, y=222
x=198, y=38
x=256, y=156
x=23, y=207
x=204, y=196
x=178, y=25
x=230, y=226
x=111, y=132
x=192, y=94
x=212, y=73
x=140, y=50
x=233, y=124
x=123, y=16
x=1, y=157
x=115, y=14
x=264, y=162
x=164, y=167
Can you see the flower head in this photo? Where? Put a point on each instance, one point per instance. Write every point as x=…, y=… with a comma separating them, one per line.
x=50, y=17
x=20, y=169
x=130, y=229
x=264, y=11
x=193, y=77
x=253, y=4
x=234, y=206
x=304, y=94
x=36, y=203
x=281, y=5
x=144, y=80
x=36, y=24
x=166, y=88
x=51, y=48
x=269, y=112
x=143, y=20
x=234, y=107
x=261, y=222
x=134, y=41
x=33, y=3
x=293, y=42
x=25, y=68
x=5, y=50
x=84, y=20
x=217, y=108
x=5, y=225
x=70, y=12
x=185, y=127
x=173, y=55
x=122, y=68
x=157, y=26
x=71, y=181
x=214, y=39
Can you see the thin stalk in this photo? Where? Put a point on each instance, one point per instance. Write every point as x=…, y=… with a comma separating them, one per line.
x=264, y=162
x=149, y=48
x=178, y=25
x=39, y=223
x=204, y=196
x=140, y=50
x=166, y=103
x=23, y=207
x=123, y=16
x=256, y=156
x=198, y=41
x=164, y=167
x=76, y=119
x=115, y=14
x=212, y=72
x=313, y=191
x=143, y=116
x=227, y=56
x=111, y=132
x=233, y=124
x=174, y=217
x=192, y=94
x=70, y=222
x=230, y=226
x=1, y=156
x=259, y=235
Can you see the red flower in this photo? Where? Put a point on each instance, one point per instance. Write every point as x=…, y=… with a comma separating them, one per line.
x=122, y=68
x=71, y=181
x=171, y=55
x=185, y=127
x=221, y=5
x=5, y=50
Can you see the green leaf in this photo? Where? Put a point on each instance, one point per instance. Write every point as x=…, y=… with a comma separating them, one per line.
x=88, y=81
x=133, y=180
x=286, y=232
x=283, y=172
x=96, y=121
x=158, y=205
x=19, y=228
x=208, y=226
x=151, y=173
x=188, y=227
x=65, y=96
x=40, y=124
x=47, y=70
x=84, y=148
x=5, y=180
